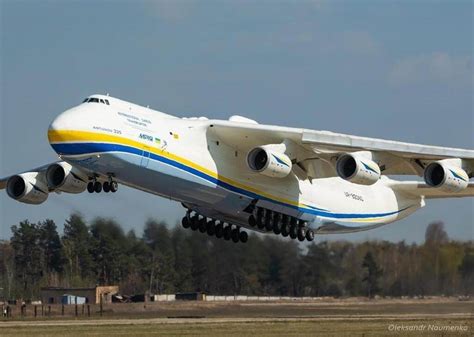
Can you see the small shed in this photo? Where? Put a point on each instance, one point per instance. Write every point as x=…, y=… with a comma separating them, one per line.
x=73, y=299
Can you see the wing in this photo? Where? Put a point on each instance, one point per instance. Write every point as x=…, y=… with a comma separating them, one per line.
x=395, y=158
x=416, y=188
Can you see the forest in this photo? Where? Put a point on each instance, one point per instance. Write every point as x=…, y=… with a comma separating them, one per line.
x=167, y=259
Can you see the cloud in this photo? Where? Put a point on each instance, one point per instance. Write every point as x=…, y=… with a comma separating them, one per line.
x=439, y=67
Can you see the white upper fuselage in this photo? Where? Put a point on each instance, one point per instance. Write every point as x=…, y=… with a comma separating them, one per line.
x=181, y=159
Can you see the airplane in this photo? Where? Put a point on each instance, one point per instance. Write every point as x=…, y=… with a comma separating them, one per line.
x=236, y=175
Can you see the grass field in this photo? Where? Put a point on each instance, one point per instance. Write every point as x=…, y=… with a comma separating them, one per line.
x=330, y=318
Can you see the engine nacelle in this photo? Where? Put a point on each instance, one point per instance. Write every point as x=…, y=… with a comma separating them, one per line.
x=268, y=162
x=447, y=177
x=357, y=169
x=28, y=188
x=63, y=177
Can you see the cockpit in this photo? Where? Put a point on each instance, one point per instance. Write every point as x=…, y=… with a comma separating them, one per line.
x=96, y=100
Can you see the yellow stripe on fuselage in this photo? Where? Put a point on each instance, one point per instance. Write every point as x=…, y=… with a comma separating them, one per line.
x=73, y=136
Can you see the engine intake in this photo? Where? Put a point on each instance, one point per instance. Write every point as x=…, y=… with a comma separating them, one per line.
x=27, y=188
x=446, y=177
x=63, y=177
x=357, y=170
x=269, y=162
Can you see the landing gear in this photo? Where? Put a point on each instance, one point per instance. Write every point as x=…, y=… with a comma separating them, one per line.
x=301, y=233
x=243, y=236
x=202, y=225
x=310, y=235
x=227, y=233
x=97, y=187
x=211, y=228
x=90, y=187
x=219, y=232
x=219, y=229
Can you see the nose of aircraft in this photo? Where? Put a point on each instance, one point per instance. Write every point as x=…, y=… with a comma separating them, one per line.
x=61, y=127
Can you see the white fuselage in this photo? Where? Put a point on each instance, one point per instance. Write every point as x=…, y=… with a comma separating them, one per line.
x=180, y=159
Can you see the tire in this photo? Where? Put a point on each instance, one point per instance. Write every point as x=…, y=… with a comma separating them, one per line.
x=301, y=234
x=235, y=235
x=211, y=228
x=90, y=187
x=252, y=221
x=219, y=232
x=276, y=229
x=285, y=230
x=293, y=232
x=268, y=223
x=106, y=187
x=113, y=186
x=243, y=237
x=310, y=235
x=97, y=187
x=260, y=223
x=227, y=233
x=194, y=222
x=185, y=222
x=203, y=225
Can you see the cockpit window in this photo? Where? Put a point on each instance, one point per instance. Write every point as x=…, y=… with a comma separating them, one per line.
x=96, y=100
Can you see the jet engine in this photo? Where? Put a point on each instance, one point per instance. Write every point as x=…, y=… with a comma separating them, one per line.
x=357, y=169
x=268, y=162
x=28, y=188
x=447, y=177
x=63, y=177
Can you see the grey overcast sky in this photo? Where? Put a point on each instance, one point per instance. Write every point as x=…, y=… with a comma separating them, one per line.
x=399, y=70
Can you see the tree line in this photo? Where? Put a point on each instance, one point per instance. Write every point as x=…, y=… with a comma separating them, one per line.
x=166, y=259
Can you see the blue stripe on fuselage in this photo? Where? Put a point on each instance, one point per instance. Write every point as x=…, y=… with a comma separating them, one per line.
x=91, y=148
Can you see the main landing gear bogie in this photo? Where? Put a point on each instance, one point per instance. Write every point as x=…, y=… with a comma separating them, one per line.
x=96, y=186
x=280, y=224
x=211, y=227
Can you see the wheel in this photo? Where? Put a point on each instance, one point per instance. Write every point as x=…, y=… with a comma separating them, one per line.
x=235, y=235
x=185, y=222
x=106, y=187
x=227, y=233
x=219, y=230
x=90, y=187
x=276, y=229
x=310, y=235
x=252, y=221
x=211, y=228
x=293, y=232
x=113, y=186
x=195, y=222
x=259, y=212
x=203, y=225
x=243, y=236
x=97, y=187
x=285, y=230
x=301, y=233
x=268, y=220
x=260, y=223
